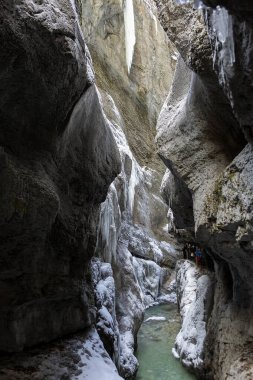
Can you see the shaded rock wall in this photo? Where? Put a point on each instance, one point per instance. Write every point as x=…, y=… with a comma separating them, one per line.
x=58, y=158
x=201, y=137
x=177, y=195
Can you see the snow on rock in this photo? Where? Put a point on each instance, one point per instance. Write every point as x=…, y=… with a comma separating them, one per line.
x=155, y=319
x=106, y=323
x=194, y=299
x=129, y=253
x=98, y=364
x=78, y=358
x=148, y=276
x=168, y=292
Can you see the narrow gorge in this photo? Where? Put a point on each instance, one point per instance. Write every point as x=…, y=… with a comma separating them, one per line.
x=126, y=138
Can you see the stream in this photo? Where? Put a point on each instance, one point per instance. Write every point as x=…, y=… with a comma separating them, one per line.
x=156, y=339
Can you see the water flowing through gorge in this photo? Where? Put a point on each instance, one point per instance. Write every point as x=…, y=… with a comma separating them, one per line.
x=156, y=339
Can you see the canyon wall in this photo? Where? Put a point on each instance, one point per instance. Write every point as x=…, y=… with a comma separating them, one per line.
x=204, y=137
x=58, y=158
x=134, y=71
x=84, y=240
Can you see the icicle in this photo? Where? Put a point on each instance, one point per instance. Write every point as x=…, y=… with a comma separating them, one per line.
x=155, y=21
x=130, y=38
x=223, y=28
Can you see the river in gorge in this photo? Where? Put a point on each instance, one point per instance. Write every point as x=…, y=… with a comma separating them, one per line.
x=155, y=341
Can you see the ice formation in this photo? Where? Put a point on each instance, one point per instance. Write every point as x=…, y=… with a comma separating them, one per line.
x=222, y=24
x=130, y=38
x=194, y=297
x=130, y=250
x=197, y=4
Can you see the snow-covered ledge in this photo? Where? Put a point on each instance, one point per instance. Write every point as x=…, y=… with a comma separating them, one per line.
x=195, y=294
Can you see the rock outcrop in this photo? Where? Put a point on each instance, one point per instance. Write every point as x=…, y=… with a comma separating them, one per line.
x=58, y=157
x=81, y=357
x=203, y=132
x=63, y=143
x=138, y=91
x=132, y=222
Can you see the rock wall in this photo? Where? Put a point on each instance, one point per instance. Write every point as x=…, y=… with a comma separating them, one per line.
x=203, y=131
x=132, y=240
x=130, y=52
x=139, y=92
x=58, y=157
x=63, y=142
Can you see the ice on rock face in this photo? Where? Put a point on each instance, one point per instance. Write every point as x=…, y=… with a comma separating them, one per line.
x=222, y=25
x=130, y=38
x=194, y=297
x=127, y=243
x=197, y=4
x=148, y=276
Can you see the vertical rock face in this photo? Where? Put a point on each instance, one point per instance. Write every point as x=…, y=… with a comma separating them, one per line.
x=131, y=224
x=139, y=92
x=200, y=138
x=177, y=195
x=58, y=158
x=60, y=140
x=130, y=52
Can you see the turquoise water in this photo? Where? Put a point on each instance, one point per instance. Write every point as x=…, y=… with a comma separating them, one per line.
x=155, y=341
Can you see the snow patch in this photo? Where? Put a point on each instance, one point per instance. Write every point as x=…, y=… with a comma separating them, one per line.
x=155, y=319
x=97, y=362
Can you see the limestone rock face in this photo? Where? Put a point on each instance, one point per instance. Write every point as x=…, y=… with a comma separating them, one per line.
x=200, y=138
x=177, y=195
x=58, y=158
x=192, y=45
x=129, y=241
x=130, y=52
x=139, y=93
x=228, y=230
x=31, y=33
x=192, y=140
x=232, y=58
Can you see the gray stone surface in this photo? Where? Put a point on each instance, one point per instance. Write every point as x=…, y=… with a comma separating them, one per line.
x=177, y=195
x=132, y=221
x=139, y=94
x=232, y=59
x=79, y=357
x=58, y=158
x=200, y=140
x=193, y=140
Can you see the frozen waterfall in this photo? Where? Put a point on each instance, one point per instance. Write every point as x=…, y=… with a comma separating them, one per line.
x=130, y=38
